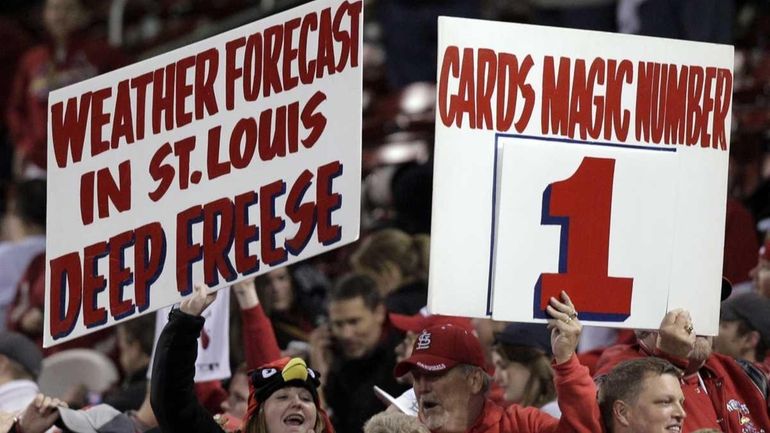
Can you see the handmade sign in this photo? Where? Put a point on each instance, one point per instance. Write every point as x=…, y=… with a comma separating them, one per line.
x=588, y=162
x=214, y=162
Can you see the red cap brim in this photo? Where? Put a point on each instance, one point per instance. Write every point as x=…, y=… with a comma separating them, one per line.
x=405, y=323
x=426, y=363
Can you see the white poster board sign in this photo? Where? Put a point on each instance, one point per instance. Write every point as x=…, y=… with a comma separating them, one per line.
x=213, y=360
x=215, y=162
x=583, y=161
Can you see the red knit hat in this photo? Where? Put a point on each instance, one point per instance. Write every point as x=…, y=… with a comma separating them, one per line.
x=440, y=348
x=281, y=373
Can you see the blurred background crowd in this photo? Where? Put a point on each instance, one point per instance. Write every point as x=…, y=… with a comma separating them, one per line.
x=352, y=312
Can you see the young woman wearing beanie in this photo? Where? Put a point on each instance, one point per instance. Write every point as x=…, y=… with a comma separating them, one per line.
x=283, y=394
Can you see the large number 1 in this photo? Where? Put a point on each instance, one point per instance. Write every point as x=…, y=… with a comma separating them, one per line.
x=581, y=205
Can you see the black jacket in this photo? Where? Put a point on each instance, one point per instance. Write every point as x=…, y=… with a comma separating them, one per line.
x=130, y=394
x=173, y=372
x=349, y=387
x=408, y=299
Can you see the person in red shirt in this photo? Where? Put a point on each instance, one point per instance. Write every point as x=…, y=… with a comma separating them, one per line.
x=719, y=393
x=740, y=242
x=642, y=396
x=66, y=58
x=451, y=382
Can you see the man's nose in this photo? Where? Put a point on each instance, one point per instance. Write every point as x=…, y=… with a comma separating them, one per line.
x=679, y=412
x=420, y=384
x=347, y=332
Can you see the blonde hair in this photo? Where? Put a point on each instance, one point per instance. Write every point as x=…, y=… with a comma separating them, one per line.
x=410, y=253
x=394, y=422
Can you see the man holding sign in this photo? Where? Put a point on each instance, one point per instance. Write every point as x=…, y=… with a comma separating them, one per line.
x=451, y=383
x=719, y=393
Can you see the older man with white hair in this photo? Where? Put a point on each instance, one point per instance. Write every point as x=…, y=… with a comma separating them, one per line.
x=451, y=383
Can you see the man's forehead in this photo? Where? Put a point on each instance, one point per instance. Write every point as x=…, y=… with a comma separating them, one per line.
x=348, y=308
x=654, y=383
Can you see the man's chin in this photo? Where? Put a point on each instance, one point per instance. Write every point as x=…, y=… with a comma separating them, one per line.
x=434, y=422
x=355, y=352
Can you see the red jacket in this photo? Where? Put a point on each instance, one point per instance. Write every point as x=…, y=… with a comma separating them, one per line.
x=577, y=400
x=741, y=245
x=38, y=73
x=259, y=342
x=730, y=402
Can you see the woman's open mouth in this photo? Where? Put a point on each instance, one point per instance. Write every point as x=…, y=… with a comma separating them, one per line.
x=294, y=419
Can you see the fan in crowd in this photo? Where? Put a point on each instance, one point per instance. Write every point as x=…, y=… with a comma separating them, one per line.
x=522, y=360
x=398, y=262
x=283, y=395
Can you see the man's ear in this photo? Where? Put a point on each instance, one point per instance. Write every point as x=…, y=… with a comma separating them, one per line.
x=379, y=313
x=621, y=413
x=752, y=339
x=476, y=381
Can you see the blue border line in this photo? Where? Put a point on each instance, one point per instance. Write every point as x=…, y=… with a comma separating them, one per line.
x=550, y=139
x=586, y=142
x=492, y=232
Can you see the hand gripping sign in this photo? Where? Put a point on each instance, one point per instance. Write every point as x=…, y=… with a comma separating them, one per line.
x=215, y=162
x=213, y=359
x=581, y=161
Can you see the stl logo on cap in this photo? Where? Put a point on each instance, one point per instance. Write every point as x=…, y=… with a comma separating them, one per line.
x=423, y=341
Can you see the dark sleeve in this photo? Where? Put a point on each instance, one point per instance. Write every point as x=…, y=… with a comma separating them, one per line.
x=337, y=403
x=172, y=388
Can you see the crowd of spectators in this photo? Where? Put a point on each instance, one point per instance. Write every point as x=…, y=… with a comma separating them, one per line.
x=356, y=317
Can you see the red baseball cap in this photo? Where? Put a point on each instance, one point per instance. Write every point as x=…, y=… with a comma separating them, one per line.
x=423, y=320
x=440, y=348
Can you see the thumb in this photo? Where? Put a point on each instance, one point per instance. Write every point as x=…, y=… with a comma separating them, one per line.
x=202, y=292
